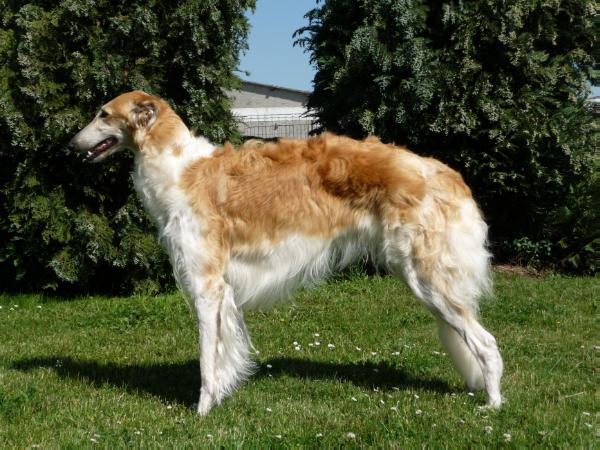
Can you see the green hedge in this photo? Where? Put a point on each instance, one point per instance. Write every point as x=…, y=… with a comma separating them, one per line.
x=494, y=88
x=65, y=224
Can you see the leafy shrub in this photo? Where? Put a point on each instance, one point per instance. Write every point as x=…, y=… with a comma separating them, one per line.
x=493, y=88
x=67, y=224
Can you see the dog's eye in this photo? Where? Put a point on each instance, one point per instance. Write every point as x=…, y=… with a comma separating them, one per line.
x=103, y=114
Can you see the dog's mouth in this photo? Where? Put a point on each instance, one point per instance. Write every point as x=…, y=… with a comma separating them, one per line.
x=101, y=148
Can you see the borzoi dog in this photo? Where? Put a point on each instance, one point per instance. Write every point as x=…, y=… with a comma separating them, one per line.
x=245, y=227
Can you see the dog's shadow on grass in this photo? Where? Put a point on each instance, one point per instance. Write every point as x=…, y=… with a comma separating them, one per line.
x=180, y=382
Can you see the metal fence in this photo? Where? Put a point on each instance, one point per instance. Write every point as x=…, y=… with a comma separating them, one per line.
x=270, y=126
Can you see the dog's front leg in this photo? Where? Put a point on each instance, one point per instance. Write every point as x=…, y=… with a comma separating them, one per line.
x=224, y=345
x=207, y=310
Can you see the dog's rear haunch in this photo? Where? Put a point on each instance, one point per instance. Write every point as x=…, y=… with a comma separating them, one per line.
x=245, y=227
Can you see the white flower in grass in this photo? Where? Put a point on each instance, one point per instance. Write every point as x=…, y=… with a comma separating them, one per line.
x=269, y=366
x=354, y=399
x=319, y=435
x=470, y=394
x=294, y=343
x=394, y=408
x=330, y=346
x=418, y=412
x=310, y=344
x=269, y=410
x=416, y=397
x=507, y=437
x=488, y=429
x=358, y=349
x=436, y=353
x=278, y=436
x=137, y=432
x=351, y=435
x=39, y=306
x=95, y=441
x=297, y=347
x=373, y=353
x=395, y=353
x=209, y=436
x=382, y=402
x=317, y=343
x=585, y=413
x=316, y=335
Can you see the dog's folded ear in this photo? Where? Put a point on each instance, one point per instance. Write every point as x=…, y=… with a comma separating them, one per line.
x=143, y=114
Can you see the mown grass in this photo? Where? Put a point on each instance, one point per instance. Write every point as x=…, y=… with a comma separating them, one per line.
x=123, y=372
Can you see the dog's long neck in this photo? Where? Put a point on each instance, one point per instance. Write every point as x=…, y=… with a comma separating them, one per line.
x=166, y=150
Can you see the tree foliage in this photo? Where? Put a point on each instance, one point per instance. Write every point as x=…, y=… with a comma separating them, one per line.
x=493, y=88
x=66, y=223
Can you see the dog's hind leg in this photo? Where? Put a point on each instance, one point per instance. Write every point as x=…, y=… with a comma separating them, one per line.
x=447, y=268
x=224, y=345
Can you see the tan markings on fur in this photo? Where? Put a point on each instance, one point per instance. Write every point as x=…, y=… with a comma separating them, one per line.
x=162, y=134
x=267, y=191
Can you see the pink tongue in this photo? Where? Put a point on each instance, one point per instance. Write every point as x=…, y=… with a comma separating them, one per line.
x=103, y=146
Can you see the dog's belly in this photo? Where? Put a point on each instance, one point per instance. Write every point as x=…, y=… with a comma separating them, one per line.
x=260, y=277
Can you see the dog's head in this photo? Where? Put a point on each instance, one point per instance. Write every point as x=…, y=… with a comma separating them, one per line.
x=122, y=123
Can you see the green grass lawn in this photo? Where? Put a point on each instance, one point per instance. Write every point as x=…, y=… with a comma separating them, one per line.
x=116, y=372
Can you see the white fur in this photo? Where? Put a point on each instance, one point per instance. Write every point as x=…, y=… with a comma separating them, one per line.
x=156, y=180
x=268, y=274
